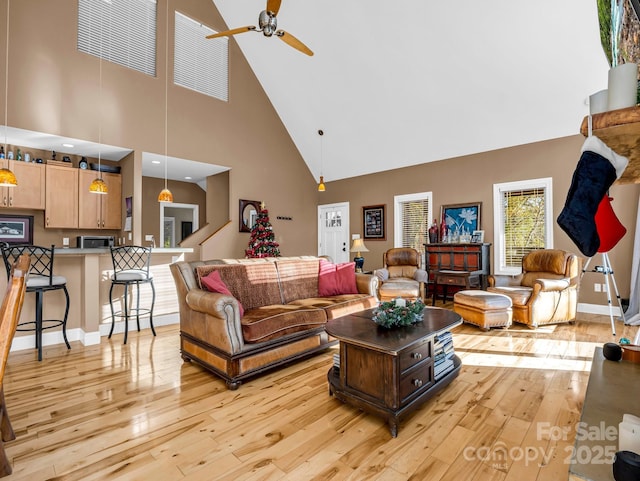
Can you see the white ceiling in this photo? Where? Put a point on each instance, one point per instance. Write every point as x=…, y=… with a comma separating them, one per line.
x=152, y=164
x=402, y=83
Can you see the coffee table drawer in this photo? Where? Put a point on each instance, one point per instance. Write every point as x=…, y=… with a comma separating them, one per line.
x=416, y=380
x=414, y=355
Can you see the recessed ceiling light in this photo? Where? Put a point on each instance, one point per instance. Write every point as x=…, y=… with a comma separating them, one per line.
x=155, y=161
x=68, y=145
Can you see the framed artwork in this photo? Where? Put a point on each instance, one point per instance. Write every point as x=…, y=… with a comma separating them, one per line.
x=16, y=229
x=374, y=222
x=477, y=237
x=463, y=217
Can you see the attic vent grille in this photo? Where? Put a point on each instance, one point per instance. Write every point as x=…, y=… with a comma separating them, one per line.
x=126, y=29
x=200, y=64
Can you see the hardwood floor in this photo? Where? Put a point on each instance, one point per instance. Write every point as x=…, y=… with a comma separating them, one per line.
x=137, y=412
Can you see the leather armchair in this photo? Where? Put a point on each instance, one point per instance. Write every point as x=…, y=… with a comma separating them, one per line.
x=401, y=275
x=547, y=290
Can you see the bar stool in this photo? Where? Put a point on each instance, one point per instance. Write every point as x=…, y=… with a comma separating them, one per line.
x=131, y=267
x=41, y=279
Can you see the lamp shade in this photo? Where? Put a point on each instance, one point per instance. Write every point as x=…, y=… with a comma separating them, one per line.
x=7, y=178
x=98, y=186
x=165, y=196
x=358, y=246
x=321, y=187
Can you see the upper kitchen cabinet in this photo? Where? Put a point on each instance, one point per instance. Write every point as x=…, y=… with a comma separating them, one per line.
x=30, y=191
x=99, y=211
x=61, y=198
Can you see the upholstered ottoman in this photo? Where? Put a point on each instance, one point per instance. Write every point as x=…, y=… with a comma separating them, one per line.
x=482, y=308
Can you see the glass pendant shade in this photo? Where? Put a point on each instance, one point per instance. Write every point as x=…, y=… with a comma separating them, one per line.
x=165, y=195
x=98, y=186
x=321, y=187
x=7, y=178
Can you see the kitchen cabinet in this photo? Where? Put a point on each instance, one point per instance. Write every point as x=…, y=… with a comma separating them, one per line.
x=29, y=193
x=61, y=197
x=99, y=211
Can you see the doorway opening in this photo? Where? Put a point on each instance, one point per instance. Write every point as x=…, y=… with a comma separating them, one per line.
x=177, y=221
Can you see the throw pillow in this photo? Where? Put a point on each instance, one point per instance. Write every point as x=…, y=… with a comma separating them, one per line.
x=346, y=274
x=336, y=279
x=214, y=283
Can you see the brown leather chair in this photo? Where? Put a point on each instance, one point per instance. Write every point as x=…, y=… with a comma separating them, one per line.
x=547, y=290
x=401, y=275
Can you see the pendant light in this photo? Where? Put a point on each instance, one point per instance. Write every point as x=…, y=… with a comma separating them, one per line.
x=321, y=186
x=165, y=194
x=98, y=185
x=7, y=178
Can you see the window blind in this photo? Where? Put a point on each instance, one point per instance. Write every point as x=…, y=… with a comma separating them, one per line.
x=200, y=64
x=414, y=223
x=119, y=31
x=524, y=218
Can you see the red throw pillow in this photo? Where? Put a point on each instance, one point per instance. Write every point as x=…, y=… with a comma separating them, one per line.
x=327, y=280
x=214, y=283
x=346, y=275
x=610, y=229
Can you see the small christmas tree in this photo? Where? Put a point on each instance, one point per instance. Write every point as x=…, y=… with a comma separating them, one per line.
x=262, y=242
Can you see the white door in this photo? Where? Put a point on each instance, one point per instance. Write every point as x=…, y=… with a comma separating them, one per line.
x=333, y=231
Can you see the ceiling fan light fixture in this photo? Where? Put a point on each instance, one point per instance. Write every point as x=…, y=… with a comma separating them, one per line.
x=165, y=195
x=98, y=186
x=7, y=178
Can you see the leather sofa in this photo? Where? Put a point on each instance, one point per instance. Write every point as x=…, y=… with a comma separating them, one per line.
x=547, y=290
x=284, y=311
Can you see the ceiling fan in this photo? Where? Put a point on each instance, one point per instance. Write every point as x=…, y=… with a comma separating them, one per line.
x=268, y=26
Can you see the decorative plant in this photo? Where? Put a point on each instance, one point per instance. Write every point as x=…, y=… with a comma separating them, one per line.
x=398, y=312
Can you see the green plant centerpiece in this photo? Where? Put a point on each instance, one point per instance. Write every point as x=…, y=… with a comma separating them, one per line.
x=398, y=312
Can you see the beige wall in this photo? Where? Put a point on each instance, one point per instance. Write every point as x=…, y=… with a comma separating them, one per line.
x=471, y=178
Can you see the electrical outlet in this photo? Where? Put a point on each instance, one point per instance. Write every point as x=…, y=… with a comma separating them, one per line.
x=596, y=287
x=604, y=288
x=65, y=241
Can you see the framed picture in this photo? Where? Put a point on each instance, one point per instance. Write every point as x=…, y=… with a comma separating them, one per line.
x=463, y=217
x=374, y=222
x=477, y=237
x=16, y=229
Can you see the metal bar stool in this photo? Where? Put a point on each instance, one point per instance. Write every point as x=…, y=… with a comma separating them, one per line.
x=131, y=267
x=41, y=279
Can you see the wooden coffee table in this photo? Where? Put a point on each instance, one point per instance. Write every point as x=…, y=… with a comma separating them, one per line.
x=388, y=372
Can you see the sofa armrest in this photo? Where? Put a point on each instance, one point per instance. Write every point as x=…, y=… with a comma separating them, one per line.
x=215, y=320
x=553, y=284
x=421, y=276
x=504, y=281
x=382, y=274
x=367, y=284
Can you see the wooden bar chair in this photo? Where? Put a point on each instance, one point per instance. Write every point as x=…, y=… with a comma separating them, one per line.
x=9, y=315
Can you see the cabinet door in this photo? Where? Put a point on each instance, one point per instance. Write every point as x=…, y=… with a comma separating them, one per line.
x=88, y=203
x=30, y=191
x=112, y=202
x=61, y=197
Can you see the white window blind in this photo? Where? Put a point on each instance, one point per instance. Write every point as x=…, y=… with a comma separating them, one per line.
x=120, y=31
x=524, y=220
x=200, y=64
x=412, y=214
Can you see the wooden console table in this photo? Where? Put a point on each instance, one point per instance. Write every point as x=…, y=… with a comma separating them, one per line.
x=389, y=372
x=613, y=390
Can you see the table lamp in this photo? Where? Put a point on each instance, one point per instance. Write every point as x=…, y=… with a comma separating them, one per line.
x=358, y=247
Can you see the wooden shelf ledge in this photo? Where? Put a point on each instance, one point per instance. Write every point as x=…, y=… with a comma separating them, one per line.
x=620, y=130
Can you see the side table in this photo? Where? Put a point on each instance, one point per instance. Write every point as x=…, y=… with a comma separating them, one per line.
x=445, y=278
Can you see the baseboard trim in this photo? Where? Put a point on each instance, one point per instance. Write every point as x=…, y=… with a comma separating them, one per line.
x=598, y=309
x=22, y=343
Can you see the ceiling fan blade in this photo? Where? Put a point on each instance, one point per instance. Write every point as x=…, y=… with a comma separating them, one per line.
x=294, y=42
x=273, y=6
x=234, y=31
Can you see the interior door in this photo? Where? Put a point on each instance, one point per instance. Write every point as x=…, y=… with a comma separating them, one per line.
x=333, y=231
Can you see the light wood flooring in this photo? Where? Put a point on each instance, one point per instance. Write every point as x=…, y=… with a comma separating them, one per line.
x=137, y=412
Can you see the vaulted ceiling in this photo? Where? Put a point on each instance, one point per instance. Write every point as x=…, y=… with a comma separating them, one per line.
x=402, y=83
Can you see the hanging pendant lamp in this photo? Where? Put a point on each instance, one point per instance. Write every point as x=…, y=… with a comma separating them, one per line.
x=321, y=186
x=7, y=177
x=165, y=194
x=98, y=186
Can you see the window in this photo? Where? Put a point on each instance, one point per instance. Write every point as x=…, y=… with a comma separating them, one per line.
x=120, y=31
x=411, y=217
x=523, y=221
x=201, y=64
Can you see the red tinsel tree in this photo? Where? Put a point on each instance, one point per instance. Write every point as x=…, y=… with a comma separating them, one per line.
x=262, y=242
